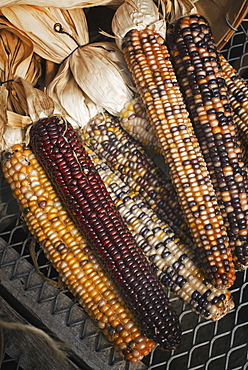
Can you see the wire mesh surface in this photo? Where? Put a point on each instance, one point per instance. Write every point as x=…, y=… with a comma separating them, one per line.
x=205, y=345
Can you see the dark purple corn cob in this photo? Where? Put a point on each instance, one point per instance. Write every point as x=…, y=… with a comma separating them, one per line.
x=200, y=75
x=61, y=153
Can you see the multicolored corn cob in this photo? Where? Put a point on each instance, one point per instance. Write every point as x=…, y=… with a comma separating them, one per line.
x=70, y=254
x=130, y=161
x=60, y=151
x=206, y=96
x=170, y=259
x=238, y=95
x=134, y=120
x=149, y=61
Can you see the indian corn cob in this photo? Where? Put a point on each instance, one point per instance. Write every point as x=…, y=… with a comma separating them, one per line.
x=70, y=254
x=134, y=120
x=206, y=96
x=61, y=153
x=126, y=157
x=171, y=260
x=238, y=94
x=150, y=63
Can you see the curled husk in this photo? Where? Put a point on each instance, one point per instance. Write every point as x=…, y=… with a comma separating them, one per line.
x=137, y=14
x=175, y=9
x=17, y=60
x=37, y=24
x=69, y=98
x=101, y=72
x=65, y=4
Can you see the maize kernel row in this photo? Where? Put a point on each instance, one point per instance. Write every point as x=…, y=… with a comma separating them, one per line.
x=70, y=254
x=130, y=161
x=79, y=186
x=172, y=261
x=149, y=61
x=206, y=96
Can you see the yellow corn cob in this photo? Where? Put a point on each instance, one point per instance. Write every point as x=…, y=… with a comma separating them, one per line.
x=69, y=253
x=151, y=66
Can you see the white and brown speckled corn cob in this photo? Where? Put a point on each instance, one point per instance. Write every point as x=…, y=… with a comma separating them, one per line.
x=126, y=157
x=172, y=261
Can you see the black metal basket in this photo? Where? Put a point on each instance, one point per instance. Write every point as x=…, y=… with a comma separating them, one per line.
x=205, y=345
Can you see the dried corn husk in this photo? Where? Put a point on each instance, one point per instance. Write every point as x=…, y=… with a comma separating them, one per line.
x=17, y=59
x=93, y=79
x=175, y=9
x=7, y=135
x=3, y=110
x=14, y=127
x=137, y=14
x=38, y=23
x=65, y=4
x=101, y=72
x=99, y=69
x=69, y=99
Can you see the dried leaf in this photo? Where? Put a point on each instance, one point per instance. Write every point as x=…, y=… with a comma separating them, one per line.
x=38, y=23
x=62, y=3
x=101, y=72
x=137, y=14
x=3, y=110
x=39, y=104
x=11, y=137
x=180, y=8
x=17, y=120
x=17, y=60
x=69, y=99
x=54, y=347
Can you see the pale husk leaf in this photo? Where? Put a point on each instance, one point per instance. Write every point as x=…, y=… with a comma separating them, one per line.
x=15, y=56
x=17, y=60
x=3, y=109
x=100, y=71
x=11, y=137
x=8, y=135
x=39, y=104
x=179, y=8
x=137, y=14
x=69, y=99
x=37, y=24
x=17, y=120
x=63, y=4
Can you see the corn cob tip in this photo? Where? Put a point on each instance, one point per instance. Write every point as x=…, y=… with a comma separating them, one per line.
x=222, y=306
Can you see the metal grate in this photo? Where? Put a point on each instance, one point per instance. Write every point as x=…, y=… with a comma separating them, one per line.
x=9, y=363
x=205, y=345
